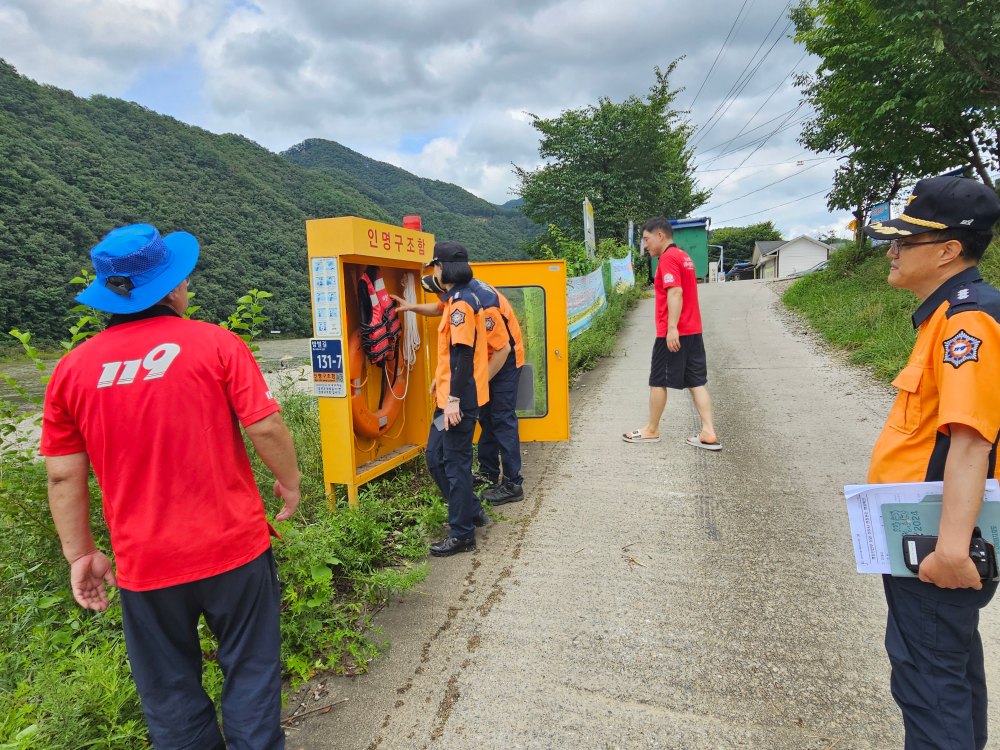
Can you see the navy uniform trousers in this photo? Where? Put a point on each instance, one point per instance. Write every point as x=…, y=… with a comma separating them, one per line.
x=241, y=607
x=500, y=439
x=449, y=461
x=938, y=677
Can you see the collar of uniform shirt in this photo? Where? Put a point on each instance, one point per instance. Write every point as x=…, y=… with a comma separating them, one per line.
x=455, y=290
x=156, y=311
x=932, y=303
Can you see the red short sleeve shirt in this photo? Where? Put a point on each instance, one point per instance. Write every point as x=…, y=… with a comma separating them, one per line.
x=157, y=405
x=677, y=269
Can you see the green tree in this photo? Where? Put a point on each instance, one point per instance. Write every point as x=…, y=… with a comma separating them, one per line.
x=883, y=97
x=962, y=30
x=738, y=242
x=631, y=159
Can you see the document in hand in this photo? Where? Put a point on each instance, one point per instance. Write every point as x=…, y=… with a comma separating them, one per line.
x=868, y=532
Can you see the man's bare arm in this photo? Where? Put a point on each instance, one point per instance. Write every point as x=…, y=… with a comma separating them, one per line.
x=675, y=303
x=69, y=501
x=273, y=443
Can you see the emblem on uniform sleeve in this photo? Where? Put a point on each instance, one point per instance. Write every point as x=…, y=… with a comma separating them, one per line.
x=457, y=318
x=961, y=348
x=489, y=324
x=668, y=277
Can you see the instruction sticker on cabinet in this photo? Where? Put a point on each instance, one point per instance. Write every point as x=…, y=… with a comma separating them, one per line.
x=328, y=367
x=325, y=283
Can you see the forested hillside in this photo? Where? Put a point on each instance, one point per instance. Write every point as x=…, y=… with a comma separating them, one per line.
x=491, y=232
x=72, y=169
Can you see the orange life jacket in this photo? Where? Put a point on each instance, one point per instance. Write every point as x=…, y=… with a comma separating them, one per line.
x=380, y=327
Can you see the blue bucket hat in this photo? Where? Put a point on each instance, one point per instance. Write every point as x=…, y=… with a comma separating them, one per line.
x=136, y=268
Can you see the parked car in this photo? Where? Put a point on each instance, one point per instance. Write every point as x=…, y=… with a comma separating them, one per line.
x=740, y=271
x=821, y=266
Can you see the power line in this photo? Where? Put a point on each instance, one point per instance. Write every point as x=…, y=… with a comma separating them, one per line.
x=765, y=187
x=758, y=148
x=740, y=78
x=793, y=160
x=767, y=122
x=773, y=92
x=786, y=125
x=742, y=85
x=760, y=140
x=796, y=200
x=719, y=54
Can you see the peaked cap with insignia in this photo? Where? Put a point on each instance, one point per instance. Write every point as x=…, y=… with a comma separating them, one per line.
x=942, y=203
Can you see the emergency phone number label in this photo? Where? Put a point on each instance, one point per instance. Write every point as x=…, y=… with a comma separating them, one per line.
x=328, y=367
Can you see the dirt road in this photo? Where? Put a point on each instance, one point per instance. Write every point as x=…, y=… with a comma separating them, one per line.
x=656, y=596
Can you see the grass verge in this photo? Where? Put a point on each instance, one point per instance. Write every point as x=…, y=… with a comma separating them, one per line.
x=854, y=308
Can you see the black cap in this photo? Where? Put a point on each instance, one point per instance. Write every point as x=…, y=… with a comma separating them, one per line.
x=448, y=251
x=942, y=203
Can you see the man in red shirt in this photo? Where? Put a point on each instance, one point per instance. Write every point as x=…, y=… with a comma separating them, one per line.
x=155, y=403
x=679, y=351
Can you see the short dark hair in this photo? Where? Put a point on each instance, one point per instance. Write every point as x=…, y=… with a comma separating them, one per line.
x=659, y=224
x=455, y=272
x=974, y=241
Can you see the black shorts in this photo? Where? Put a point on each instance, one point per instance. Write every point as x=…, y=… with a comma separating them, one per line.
x=685, y=368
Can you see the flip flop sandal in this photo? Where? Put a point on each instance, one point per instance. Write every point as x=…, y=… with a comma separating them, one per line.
x=695, y=442
x=636, y=437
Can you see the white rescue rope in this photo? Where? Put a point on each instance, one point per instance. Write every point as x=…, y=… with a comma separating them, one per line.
x=411, y=335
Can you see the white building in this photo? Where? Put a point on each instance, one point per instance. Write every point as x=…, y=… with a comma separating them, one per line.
x=781, y=258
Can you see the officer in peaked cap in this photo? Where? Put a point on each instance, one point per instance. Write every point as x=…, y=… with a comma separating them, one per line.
x=943, y=427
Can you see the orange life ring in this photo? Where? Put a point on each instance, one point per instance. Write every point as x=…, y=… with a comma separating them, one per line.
x=367, y=423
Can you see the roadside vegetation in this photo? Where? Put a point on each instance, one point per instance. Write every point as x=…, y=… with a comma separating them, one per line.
x=854, y=308
x=64, y=677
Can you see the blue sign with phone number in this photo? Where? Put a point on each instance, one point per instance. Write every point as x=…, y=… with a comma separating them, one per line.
x=328, y=367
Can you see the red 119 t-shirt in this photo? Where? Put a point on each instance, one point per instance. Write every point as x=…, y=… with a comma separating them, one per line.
x=157, y=406
x=677, y=269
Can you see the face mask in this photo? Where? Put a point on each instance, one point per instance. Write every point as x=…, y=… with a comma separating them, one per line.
x=431, y=284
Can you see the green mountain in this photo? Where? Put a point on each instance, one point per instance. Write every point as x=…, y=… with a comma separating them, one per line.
x=72, y=169
x=490, y=232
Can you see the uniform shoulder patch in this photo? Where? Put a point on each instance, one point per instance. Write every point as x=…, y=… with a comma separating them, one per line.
x=961, y=348
x=489, y=323
x=964, y=294
x=457, y=318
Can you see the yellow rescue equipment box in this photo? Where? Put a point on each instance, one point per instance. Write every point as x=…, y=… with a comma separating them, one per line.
x=374, y=417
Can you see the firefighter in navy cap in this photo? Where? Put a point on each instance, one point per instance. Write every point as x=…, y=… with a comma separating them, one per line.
x=499, y=441
x=943, y=427
x=460, y=391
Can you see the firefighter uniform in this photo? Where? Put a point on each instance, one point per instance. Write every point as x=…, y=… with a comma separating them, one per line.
x=499, y=441
x=932, y=637
x=449, y=452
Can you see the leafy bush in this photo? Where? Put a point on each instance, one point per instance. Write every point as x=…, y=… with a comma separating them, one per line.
x=554, y=244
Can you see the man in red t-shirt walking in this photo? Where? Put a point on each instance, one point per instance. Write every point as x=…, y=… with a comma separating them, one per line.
x=679, y=351
x=155, y=403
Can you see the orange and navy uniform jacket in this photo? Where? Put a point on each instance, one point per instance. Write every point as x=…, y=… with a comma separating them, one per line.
x=952, y=378
x=502, y=328
x=462, y=322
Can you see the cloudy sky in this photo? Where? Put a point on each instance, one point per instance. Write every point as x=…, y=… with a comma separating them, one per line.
x=441, y=87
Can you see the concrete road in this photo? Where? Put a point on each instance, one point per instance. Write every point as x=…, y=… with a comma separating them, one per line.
x=657, y=596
